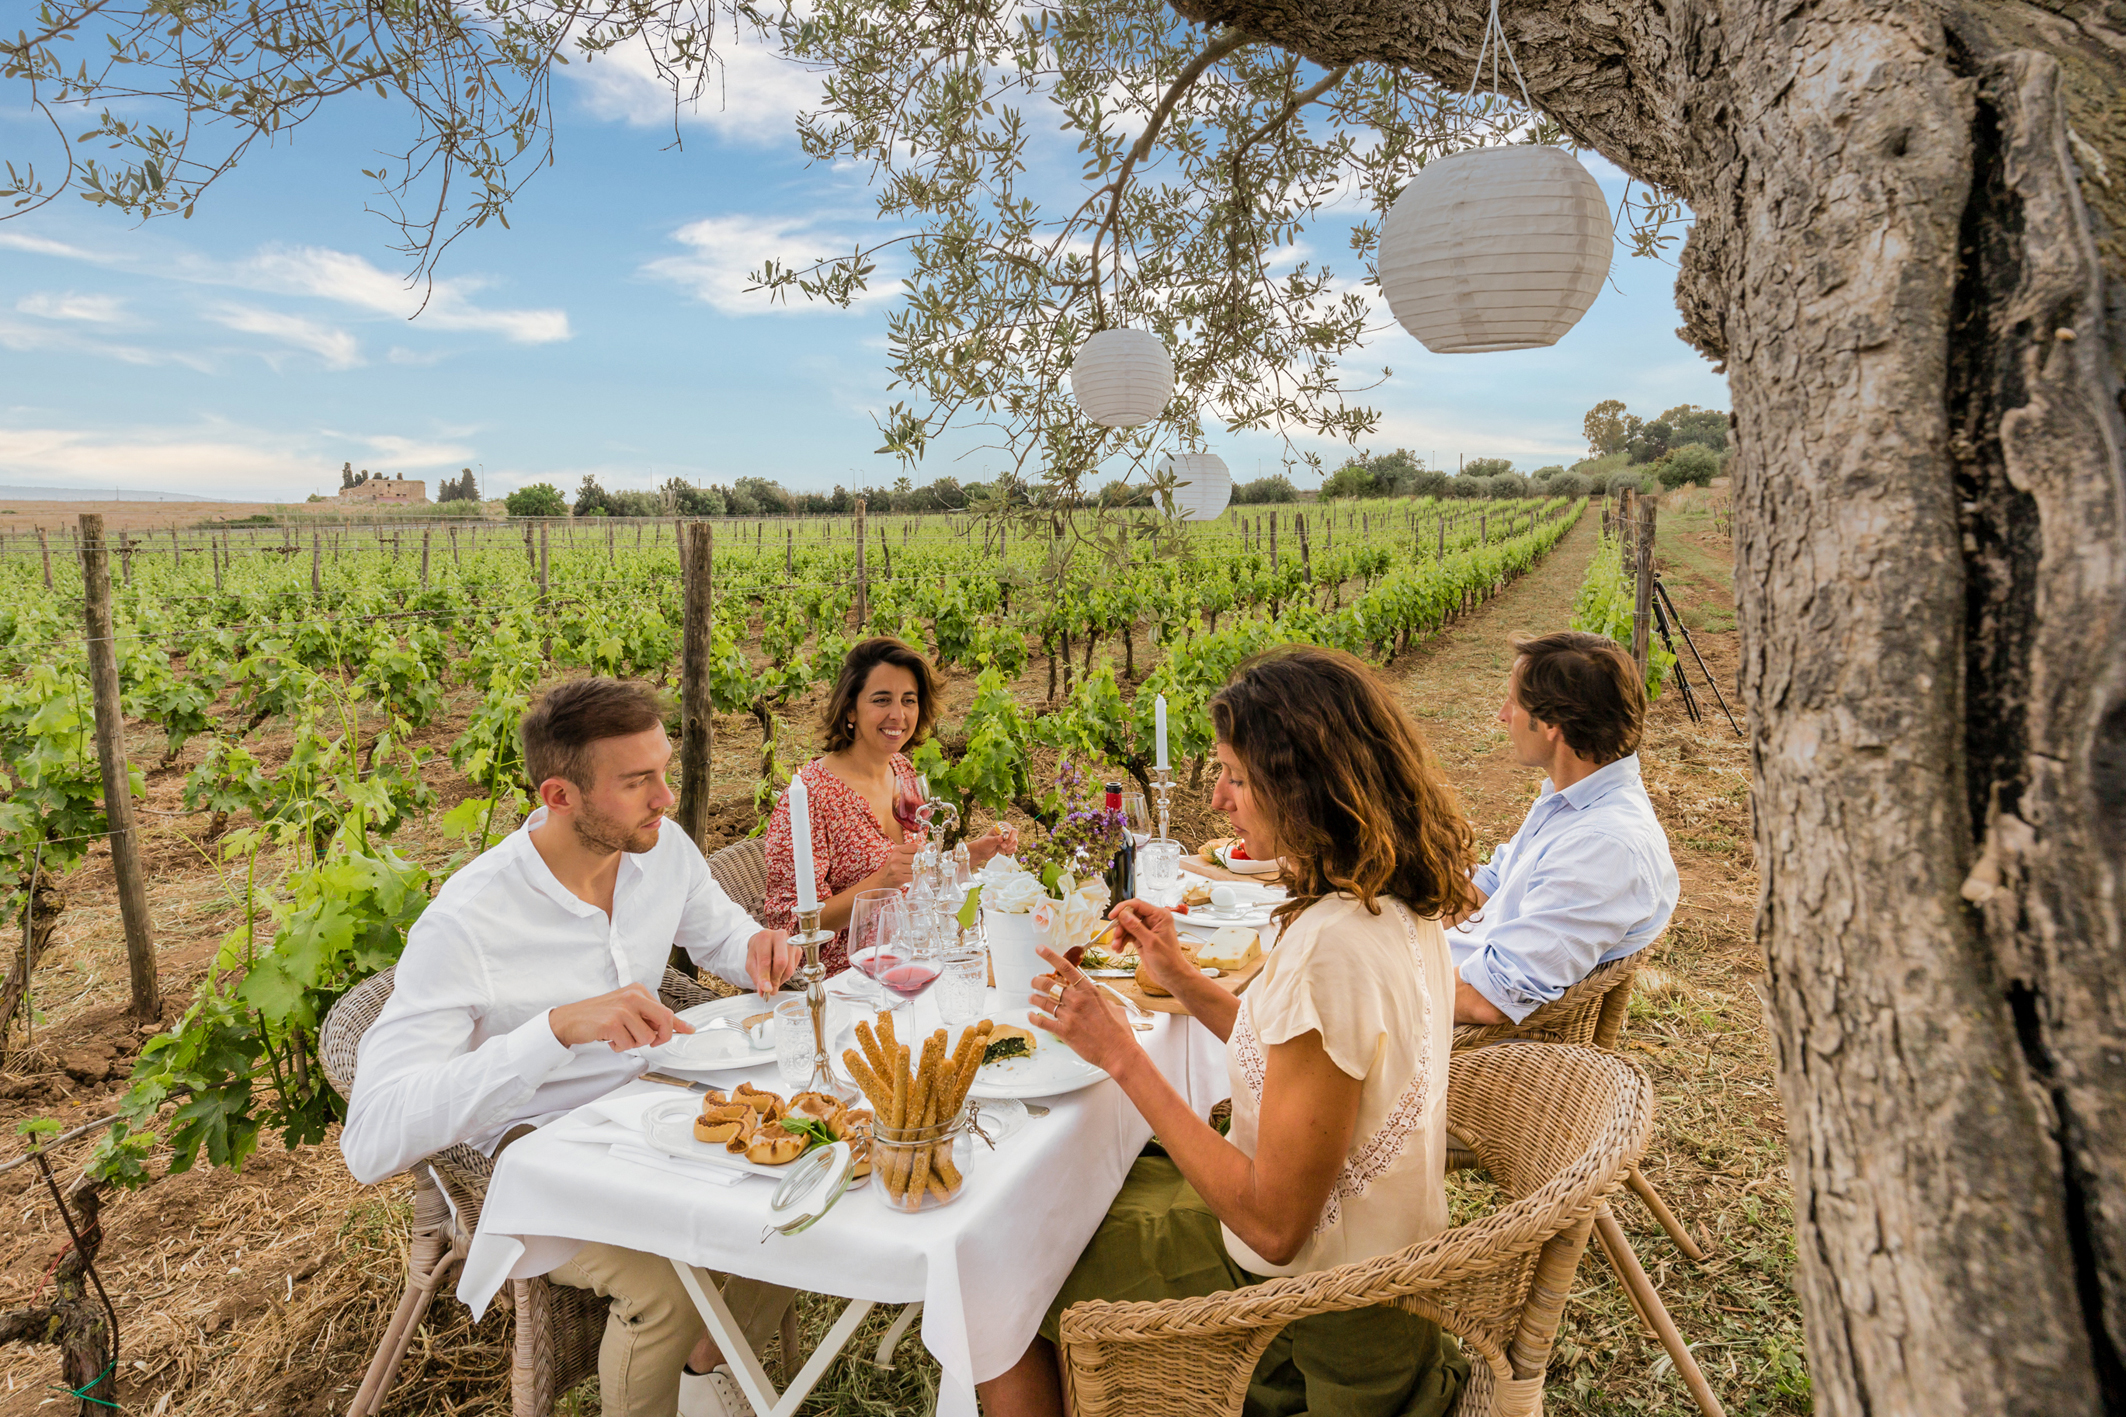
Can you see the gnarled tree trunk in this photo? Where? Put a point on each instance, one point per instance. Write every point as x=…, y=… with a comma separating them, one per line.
x=1910, y=253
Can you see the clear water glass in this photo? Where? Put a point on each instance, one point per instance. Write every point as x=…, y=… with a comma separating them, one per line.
x=963, y=980
x=794, y=1044
x=1159, y=864
x=1139, y=819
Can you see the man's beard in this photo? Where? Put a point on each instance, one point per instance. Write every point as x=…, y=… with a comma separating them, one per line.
x=600, y=832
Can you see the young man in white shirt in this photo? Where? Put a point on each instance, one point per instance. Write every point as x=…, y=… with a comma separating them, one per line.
x=526, y=980
x=1588, y=878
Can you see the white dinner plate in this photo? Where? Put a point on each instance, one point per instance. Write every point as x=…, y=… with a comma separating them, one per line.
x=1052, y=1070
x=668, y=1126
x=720, y=1050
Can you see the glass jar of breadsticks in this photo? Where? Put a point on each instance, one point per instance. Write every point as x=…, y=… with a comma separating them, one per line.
x=919, y=1146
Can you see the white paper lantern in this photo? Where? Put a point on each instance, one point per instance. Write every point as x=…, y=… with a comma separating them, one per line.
x=1495, y=248
x=1122, y=378
x=1209, y=489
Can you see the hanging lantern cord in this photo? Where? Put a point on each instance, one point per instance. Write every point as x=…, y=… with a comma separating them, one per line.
x=1495, y=44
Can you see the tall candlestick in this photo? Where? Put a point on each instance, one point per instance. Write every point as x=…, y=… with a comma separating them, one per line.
x=801, y=846
x=1159, y=720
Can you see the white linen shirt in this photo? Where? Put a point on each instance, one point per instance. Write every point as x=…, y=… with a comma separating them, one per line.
x=462, y=1050
x=1586, y=880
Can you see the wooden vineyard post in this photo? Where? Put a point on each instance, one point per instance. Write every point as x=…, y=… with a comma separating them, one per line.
x=453, y=531
x=1642, y=582
x=863, y=597
x=789, y=550
x=696, y=708
x=1273, y=543
x=424, y=558
x=1442, y=536
x=317, y=563
x=214, y=559
x=177, y=551
x=44, y=548
x=117, y=783
x=1483, y=528
x=1306, y=561
x=885, y=553
x=531, y=555
x=546, y=644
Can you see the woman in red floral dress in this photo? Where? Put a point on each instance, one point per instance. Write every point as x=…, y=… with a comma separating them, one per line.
x=865, y=834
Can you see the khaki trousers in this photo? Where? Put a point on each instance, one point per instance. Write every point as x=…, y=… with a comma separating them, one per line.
x=653, y=1325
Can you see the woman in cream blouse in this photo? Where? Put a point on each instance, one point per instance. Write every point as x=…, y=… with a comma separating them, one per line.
x=1337, y=1053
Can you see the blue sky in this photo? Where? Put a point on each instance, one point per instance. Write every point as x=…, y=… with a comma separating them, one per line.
x=250, y=351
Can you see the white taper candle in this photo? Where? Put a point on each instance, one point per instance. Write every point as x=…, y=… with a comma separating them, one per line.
x=801, y=845
x=1159, y=716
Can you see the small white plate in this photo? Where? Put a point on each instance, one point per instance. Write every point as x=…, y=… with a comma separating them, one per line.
x=1204, y=920
x=1243, y=866
x=668, y=1127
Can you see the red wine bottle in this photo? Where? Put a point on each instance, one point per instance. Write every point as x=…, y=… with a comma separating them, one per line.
x=1121, y=872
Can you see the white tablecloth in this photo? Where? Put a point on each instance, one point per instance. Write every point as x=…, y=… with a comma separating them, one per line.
x=985, y=1266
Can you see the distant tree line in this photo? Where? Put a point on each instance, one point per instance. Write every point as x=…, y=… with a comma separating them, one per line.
x=462, y=488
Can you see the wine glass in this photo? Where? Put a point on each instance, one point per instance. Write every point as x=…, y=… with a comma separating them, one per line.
x=878, y=932
x=909, y=800
x=912, y=973
x=1139, y=820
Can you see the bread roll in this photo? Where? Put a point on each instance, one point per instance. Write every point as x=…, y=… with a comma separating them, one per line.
x=772, y=1146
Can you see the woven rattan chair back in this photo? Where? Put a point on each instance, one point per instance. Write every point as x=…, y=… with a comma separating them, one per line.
x=559, y=1329
x=1556, y=1126
x=1590, y=1012
x=742, y=870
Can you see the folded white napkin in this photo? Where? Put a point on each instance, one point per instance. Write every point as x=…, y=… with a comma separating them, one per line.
x=692, y=1170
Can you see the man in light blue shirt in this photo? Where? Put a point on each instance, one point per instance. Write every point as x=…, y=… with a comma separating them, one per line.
x=1588, y=878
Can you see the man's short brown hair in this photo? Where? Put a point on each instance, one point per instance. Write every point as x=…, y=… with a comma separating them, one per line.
x=1585, y=685
x=558, y=731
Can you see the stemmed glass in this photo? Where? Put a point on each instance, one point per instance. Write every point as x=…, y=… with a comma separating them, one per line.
x=879, y=938
x=1138, y=819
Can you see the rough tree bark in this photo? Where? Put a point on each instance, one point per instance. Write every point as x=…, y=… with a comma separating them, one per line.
x=1910, y=254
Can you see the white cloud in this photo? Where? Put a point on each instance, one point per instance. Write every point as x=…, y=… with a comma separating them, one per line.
x=23, y=338
x=723, y=249
x=44, y=246
x=95, y=309
x=753, y=96
x=350, y=280
x=337, y=348
x=323, y=273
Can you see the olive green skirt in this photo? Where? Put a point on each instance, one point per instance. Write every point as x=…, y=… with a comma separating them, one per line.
x=1160, y=1241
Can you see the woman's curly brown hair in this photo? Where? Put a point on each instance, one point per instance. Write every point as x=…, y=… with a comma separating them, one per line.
x=1351, y=790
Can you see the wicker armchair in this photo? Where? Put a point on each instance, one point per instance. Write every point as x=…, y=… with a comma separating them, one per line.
x=742, y=870
x=1592, y=1013
x=1556, y=1127
x=558, y=1328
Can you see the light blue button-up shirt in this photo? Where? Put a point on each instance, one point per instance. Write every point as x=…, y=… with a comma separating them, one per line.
x=1587, y=879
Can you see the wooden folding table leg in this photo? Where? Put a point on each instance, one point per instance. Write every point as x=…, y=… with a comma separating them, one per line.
x=1649, y=1304
x=1643, y=1189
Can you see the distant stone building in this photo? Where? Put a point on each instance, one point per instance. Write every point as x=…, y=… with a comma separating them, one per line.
x=386, y=489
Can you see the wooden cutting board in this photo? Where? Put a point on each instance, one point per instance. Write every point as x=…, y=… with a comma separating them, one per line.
x=1210, y=872
x=1235, y=981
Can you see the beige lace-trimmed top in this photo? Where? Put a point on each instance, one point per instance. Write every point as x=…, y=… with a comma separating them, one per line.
x=1380, y=990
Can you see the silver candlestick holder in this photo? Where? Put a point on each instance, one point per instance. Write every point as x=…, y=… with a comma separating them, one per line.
x=810, y=938
x=1163, y=794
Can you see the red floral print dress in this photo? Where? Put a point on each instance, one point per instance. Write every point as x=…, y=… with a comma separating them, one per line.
x=847, y=845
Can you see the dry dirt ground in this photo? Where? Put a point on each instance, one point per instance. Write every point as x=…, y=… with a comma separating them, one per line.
x=264, y=1291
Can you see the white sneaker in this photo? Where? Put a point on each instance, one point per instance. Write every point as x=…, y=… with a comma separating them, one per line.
x=713, y=1394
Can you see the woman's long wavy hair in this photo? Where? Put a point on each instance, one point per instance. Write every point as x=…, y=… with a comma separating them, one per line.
x=1350, y=788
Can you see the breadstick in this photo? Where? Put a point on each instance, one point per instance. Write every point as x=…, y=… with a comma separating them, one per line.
x=897, y=1107
x=885, y=1031
x=922, y=1109
x=944, y=1193
x=874, y=1053
x=880, y=1095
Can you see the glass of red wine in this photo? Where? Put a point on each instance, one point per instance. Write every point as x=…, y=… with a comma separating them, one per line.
x=879, y=940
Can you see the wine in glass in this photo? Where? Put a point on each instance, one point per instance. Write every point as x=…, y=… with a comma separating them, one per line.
x=878, y=932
